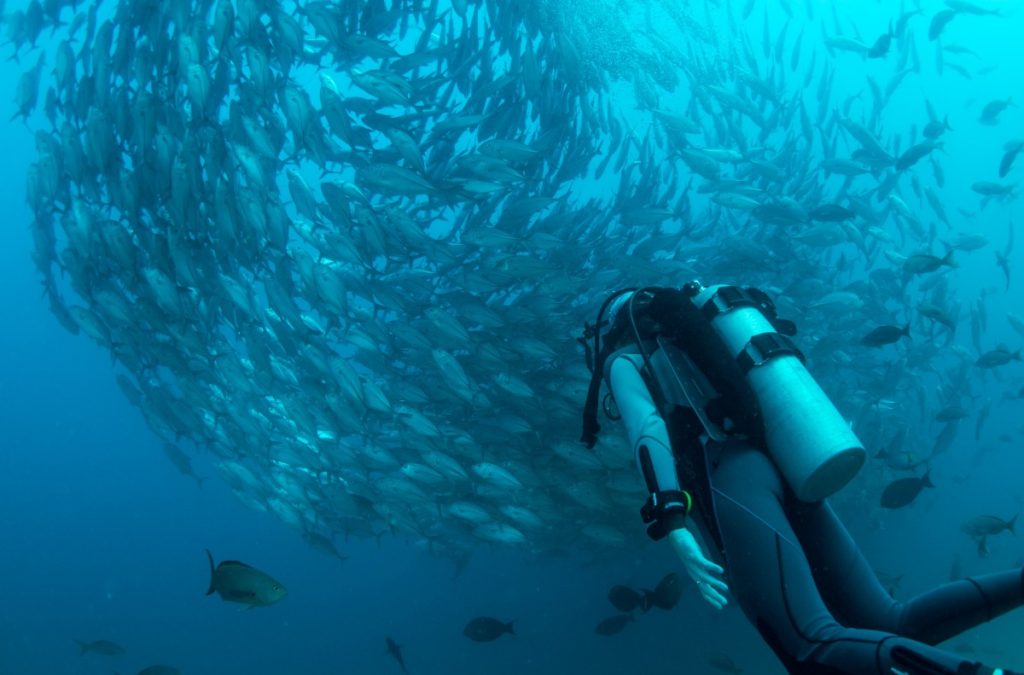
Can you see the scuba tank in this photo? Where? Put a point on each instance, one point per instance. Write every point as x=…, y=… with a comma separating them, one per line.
x=804, y=434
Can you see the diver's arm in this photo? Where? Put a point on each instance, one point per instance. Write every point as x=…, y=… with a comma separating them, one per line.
x=649, y=439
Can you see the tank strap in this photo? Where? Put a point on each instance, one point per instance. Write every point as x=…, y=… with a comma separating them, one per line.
x=764, y=347
x=727, y=298
x=730, y=297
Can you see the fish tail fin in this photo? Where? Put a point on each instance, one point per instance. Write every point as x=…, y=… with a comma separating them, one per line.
x=926, y=480
x=906, y=330
x=509, y=628
x=83, y=647
x=1011, y=525
x=213, y=576
x=948, y=259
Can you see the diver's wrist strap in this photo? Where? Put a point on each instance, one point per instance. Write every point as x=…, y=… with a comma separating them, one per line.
x=665, y=511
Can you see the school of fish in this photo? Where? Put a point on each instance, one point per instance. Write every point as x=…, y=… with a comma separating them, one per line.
x=339, y=251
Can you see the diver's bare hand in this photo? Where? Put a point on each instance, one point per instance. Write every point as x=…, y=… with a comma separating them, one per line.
x=705, y=573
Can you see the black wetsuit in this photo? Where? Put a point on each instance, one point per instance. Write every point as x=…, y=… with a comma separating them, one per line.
x=802, y=581
x=791, y=565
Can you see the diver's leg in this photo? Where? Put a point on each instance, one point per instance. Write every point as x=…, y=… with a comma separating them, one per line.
x=852, y=590
x=771, y=580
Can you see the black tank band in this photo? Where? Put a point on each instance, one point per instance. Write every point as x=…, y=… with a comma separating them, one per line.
x=728, y=298
x=725, y=299
x=765, y=347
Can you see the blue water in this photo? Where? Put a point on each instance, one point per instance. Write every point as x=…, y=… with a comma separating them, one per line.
x=101, y=538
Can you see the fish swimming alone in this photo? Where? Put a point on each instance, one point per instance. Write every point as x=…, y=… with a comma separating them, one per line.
x=395, y=650
x=885, y=335
x=999, y=356
x=487, y=629
x=903, y=491
x=235, y=581
x=923, y=263
x=984, y=526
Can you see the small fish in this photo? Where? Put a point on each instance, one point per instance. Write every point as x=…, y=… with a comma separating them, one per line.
x=968, y=241
x=613, y=625
x=881, y=46
x=901, y=460
x=987, y=526
x=916, y=153
x=983, y=549
x=885, y=335
x=903, y=491
x=323, y=544
x=395, y=650
x=625, y=599
x=939, y=22
x=970, y=8
x=1004, y=265
x=101, y=647
x=487, y=629
x=1011, y=150
x=922, y=263
x=990, y=113
x=936, y=128
x=830, y=213
x=235, y=581
x=1016, y=323
x=987, y=188
x=936, y=313
x=997, y=357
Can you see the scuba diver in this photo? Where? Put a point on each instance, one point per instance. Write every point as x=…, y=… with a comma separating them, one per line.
x=734, y=439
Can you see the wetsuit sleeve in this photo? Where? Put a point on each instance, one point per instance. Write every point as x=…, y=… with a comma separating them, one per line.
x=650, y=443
